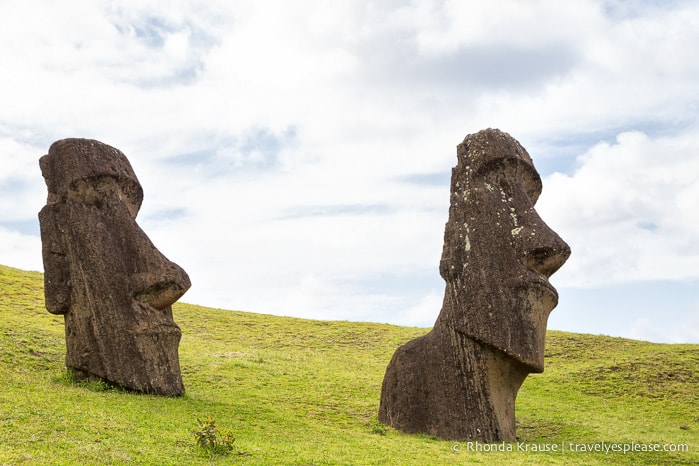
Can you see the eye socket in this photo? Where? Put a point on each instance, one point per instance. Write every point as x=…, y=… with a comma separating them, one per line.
x=101, y=192
x=516, y=172
x=84, y=192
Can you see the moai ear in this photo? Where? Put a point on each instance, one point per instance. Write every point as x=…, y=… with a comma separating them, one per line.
x=57, y=286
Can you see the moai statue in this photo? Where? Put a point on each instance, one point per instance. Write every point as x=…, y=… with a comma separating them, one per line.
x=114, y=288
x=459, y=381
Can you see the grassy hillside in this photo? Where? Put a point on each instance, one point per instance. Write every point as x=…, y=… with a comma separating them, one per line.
x=306, y=392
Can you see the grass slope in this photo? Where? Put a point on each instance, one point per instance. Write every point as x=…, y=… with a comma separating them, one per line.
x=297, y=391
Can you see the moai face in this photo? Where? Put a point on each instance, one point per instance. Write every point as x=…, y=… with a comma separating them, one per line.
x=104, y=274
x=498, y=253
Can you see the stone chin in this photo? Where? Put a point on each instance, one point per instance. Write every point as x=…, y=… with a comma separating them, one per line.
x=518, y=329
x=540, y=299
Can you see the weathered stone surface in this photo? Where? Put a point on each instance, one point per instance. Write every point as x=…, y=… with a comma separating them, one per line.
x=459, y=381
x=104, y=275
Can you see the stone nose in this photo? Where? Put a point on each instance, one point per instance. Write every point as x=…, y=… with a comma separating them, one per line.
x=543, y=251
x=160, y=289
x=546, y=260
x=156, y=281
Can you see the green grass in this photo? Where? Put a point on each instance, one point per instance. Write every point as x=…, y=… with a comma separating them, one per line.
x=306, y=392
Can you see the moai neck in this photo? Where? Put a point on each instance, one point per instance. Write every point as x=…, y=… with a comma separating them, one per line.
x=490, y=381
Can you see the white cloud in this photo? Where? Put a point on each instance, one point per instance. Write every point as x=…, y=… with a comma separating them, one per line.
x=626, y=211
x=279, y=143
x=21, y=251
x=21, y=186
x=679, y=330
x=19, y=160
x=444, y=27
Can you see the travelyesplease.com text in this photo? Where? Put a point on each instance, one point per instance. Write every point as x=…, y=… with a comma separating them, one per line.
x=570, y=447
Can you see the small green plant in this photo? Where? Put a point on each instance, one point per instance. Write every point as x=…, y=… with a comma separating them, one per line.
x=210, y=439
x=377, y=427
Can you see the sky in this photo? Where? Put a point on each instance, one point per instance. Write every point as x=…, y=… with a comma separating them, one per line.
x=295, y=156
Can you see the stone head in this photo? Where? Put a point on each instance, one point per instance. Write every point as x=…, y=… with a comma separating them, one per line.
x=498, y=253
x=100, y=266
x=95, y=181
